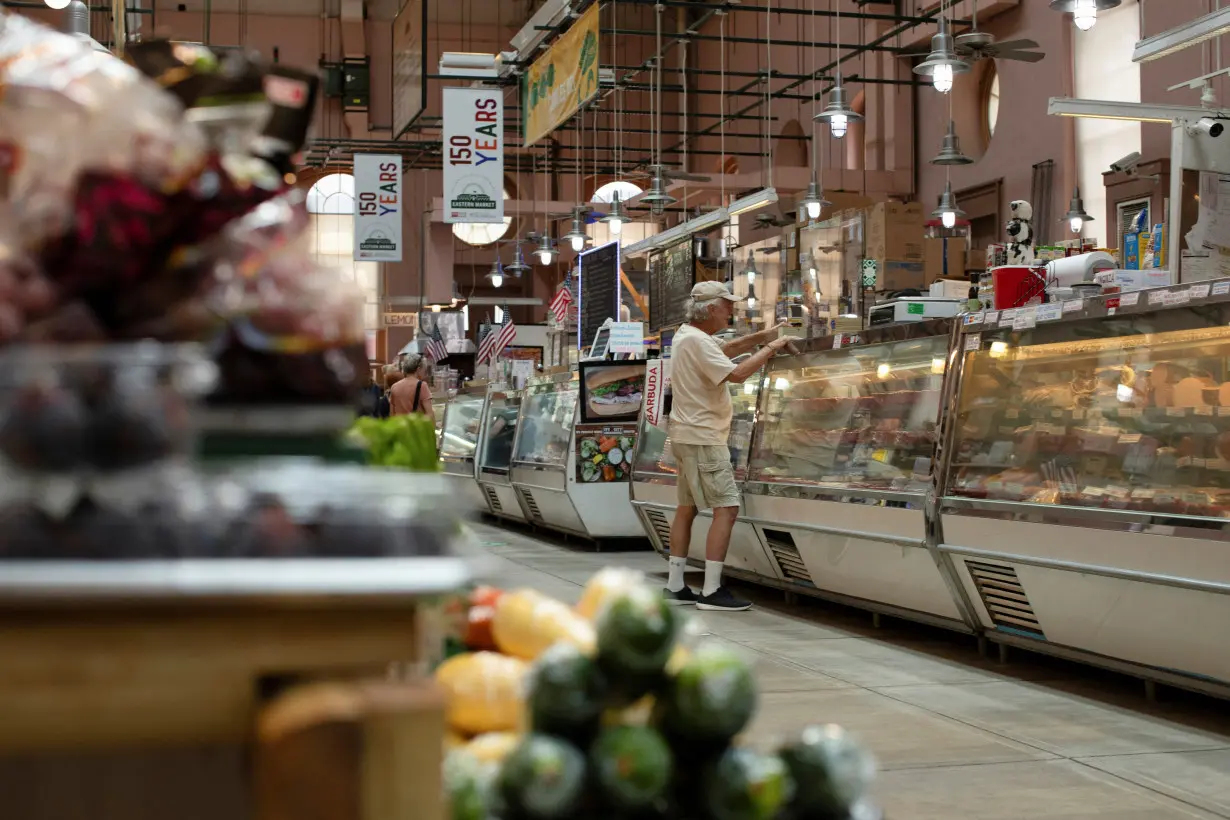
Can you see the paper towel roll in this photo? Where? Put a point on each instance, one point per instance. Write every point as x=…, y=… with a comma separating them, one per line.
x=1071, y=270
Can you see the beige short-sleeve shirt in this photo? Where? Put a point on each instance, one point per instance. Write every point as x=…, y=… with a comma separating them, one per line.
x=700, y=398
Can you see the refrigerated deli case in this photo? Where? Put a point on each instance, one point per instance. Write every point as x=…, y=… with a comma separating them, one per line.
x=463, y=418
x=498, y=435
x=840, y=470
x=554, y=485
x=1085, y=500
x=655, y=482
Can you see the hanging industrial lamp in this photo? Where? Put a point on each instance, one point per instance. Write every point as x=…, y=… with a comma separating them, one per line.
x=577, y=237
x=950, y=151
x=942, y=64
x=496, y=274
x=545, y=250
x=517, y=266
x=616, y=216
x=814, y=200
x=838, y=113
x=750, y=271
x=1076, y=216
x=948, y=213
x=656, y=197
x=1084, y=12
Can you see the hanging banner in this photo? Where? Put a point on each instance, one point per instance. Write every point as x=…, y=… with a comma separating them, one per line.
x=409, y=66
x=473, y=155
x=377, y=208
x=561, y=80
x=655, y=389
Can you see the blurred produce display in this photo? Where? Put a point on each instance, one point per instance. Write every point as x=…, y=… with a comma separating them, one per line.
x=407, y=441
x=148, y=200
x=618, y=709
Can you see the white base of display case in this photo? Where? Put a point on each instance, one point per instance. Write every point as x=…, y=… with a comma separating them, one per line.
x=469, y=496
x=502, y=501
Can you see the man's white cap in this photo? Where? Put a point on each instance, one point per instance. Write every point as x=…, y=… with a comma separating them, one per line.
x=708, y=291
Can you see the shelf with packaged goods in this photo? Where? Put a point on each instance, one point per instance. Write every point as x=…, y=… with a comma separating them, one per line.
x=1114, y=412
x=655, y=462
x=546, y=422
x=861, y=418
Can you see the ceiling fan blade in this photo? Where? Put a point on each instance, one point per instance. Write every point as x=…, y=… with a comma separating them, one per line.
x=1021, y=56
x=681, y=175
x=1015, y=45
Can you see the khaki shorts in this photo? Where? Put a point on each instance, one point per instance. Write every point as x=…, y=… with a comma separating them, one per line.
x=706, y=477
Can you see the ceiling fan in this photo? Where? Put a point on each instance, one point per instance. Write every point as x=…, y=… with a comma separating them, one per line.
x=769, y=220
x=976, y=44
x=666, y=173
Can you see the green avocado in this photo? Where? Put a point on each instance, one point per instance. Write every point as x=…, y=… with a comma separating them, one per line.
x=636, y=635
x=747, y=785
x=831, y=770
x=632, y=768
x=567, y=694
x=711, y=698
x=543, y=779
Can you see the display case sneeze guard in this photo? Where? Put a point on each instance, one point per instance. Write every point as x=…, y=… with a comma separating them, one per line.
x=1085, y=500
x=840, y=470
x=498, y=436
x=654, y=491
x=459, y=437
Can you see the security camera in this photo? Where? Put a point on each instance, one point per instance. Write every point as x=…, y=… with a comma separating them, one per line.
x=1127, y=163
x=1208, y=127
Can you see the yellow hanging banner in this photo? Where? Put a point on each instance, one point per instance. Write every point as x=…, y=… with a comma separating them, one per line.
x=561, y=80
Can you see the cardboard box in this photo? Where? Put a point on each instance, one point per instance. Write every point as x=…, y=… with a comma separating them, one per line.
x=896, y=274
x=895, y=231
x=933, y=258
x=950, y=289
x=975, y=260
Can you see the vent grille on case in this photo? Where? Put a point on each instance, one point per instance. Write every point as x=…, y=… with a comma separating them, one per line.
x=781, y=544
x=531, y=505
x=1004, y=597
x=661, y=528
x=493, y=499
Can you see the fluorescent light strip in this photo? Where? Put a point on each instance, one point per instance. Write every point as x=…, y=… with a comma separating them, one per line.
x=1184, y=36
x=1112, y=110
x=751, y=202
x=672, y=235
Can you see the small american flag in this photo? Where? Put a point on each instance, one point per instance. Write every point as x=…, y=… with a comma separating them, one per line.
x=505, y=335
x=486, y=341
x=436, y=348
x=562, y=301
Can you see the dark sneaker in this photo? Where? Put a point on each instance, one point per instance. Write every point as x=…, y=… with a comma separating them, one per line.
x=722, y=600
x=683, y=596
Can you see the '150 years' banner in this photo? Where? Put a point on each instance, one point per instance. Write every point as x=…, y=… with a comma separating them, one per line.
x=473, y=155
x=561, y=80
x=377, y=208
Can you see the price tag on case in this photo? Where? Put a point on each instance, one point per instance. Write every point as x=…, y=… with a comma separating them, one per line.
x=991, y=317
x=973, y=342
x=1199, y=291
x=1050, y=312
x=1129, y=299
x=1073, y=306
x=1007, y=317
x=1221, y=288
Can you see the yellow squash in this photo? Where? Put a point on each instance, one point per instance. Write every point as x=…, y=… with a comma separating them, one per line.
x=526, y=623
x=485, y=690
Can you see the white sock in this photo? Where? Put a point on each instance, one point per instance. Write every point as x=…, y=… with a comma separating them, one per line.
x=675, y=568
x=713, y=577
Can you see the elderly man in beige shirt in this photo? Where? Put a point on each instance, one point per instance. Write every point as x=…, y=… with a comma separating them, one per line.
x=701, y=372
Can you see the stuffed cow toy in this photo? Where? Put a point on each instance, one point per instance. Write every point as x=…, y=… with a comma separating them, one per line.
x=1021, y=234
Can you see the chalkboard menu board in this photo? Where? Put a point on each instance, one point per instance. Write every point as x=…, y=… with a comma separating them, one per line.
x=671, y=276
x=599, y=290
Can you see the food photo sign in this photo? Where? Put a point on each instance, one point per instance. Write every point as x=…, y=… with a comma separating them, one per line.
x=611, y=391
x=604, y=453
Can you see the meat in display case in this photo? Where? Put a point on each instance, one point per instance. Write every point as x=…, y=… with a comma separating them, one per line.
x=498, y=436
x=841, y=464
x=654, y=481
x=1088, y=475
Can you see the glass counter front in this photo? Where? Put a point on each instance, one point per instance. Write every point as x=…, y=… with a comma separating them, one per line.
x=1124, y=413
x=855, y=418
x=546, y=425
x=502, y=412
x=459, y=436
x=654, y=459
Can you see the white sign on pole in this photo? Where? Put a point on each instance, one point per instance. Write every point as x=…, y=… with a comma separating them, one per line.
x=656, y=380
x=473, y=155
x=377, y=208
x=627, y=337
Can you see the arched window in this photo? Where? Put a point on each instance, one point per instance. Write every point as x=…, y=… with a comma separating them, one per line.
x=990, y=105
x=333, y=194
x=330, y=204
x=482, y=233
x=626, y=191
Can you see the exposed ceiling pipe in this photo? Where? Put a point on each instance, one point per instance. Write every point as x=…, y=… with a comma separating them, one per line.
x=734, y=6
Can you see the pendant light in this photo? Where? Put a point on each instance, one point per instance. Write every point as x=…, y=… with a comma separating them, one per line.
x=814, y=200
x=948, y=212
x=496, y=275
x=750, y=271
x=657, y=197
x=517, y=266
x=1076, y=216
x=950, y=151
x=942, y=64
x=577, y=237
x=616, y=216
x=545, y=250
x=838, y=113
x=1084, y=12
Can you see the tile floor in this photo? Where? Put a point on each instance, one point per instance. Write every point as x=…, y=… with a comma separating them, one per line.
x=957, y=735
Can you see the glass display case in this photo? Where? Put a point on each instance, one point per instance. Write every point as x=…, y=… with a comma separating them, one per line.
x=546, y=425
x=459, y=435
x=1121, y=412
x=656, y=463
x=853, y=418
x=501, y=431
